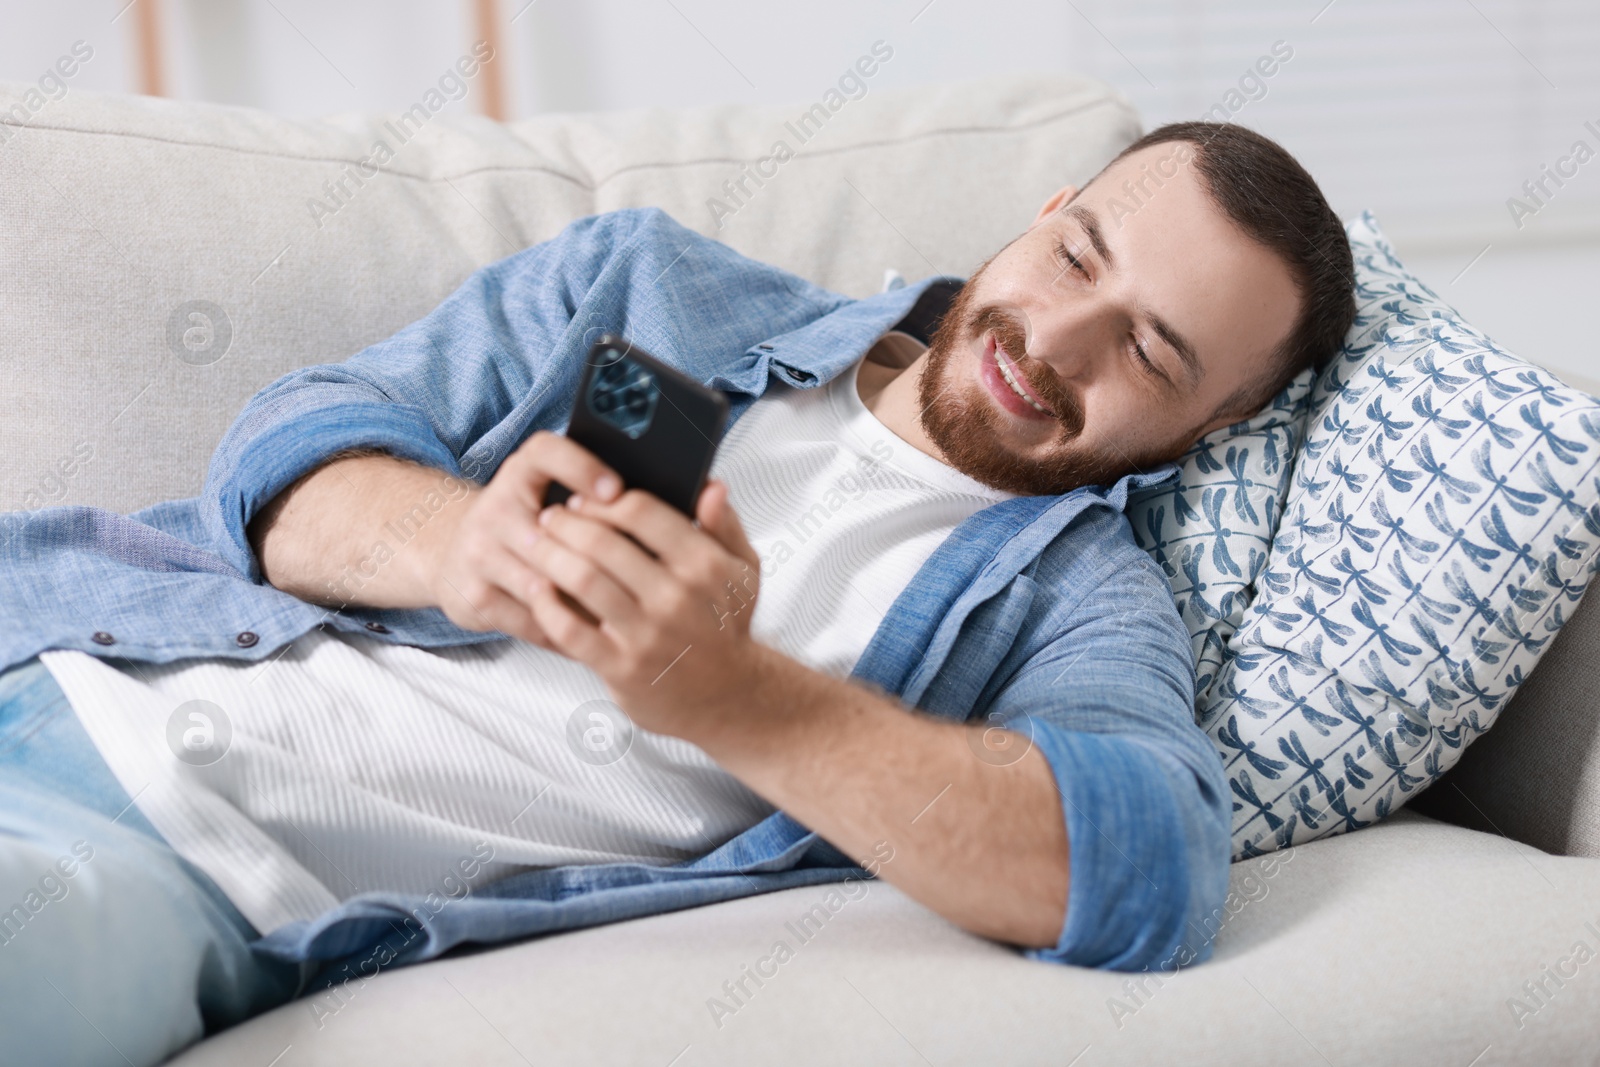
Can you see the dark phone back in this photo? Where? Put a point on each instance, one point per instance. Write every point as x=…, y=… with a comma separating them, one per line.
x=654, y=425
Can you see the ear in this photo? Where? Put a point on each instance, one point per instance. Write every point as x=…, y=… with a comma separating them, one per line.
x=1060, y=197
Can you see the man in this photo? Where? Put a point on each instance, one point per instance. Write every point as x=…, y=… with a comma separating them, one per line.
x=279, y=740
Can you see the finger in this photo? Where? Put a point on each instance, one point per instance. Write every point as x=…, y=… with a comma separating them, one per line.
x=655, y=524
x=630, y=565
x=717, y=517
x=494, y=609
x=660, y=593
x=516, y=532
x=587, y=582
x=691, y=555
x=547, y=457
x=516, y=578
x=570, y=634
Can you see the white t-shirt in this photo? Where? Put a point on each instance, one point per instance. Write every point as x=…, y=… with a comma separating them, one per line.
x=349, y=764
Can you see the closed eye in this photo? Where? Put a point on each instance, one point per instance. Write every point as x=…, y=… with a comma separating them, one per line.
x=1145, y=362
x=1070, y=262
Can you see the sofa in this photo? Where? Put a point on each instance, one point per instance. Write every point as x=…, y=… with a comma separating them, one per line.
x=164, y=260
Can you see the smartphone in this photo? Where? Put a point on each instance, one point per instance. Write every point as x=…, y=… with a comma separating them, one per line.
x=655, y=426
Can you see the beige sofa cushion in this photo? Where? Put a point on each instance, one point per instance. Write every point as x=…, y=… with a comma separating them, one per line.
x=1404, y=943
x=128, y=222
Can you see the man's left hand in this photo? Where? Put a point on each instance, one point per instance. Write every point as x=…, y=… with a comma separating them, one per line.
x=658, y=607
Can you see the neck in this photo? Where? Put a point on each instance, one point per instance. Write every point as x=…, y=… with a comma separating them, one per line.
x=890, y=393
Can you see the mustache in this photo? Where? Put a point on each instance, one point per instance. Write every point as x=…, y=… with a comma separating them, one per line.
x=1011, y=336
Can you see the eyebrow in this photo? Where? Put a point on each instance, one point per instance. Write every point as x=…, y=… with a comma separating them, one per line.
x=1179, y=344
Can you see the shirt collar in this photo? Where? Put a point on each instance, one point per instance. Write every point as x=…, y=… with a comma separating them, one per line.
x=815, y=353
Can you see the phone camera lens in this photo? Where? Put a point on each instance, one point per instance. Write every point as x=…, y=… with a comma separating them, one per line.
x=624, y=393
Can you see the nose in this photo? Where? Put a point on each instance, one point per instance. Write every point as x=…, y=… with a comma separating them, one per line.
x=1074, y=334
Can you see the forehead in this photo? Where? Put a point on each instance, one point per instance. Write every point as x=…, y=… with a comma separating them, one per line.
x=1178, y=253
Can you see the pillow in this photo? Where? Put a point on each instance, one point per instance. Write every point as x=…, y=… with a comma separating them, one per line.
x=1536, y=777
x=1440, y=524
x=1211, y=528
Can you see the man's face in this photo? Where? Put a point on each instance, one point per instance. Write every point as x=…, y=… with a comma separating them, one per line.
x=1070, y=311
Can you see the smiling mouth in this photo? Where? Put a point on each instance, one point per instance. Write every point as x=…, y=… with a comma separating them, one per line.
x=1012, y=378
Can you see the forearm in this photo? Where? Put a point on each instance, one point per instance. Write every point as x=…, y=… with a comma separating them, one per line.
x=360, y=530
x=983, y=843
x=1112, y=799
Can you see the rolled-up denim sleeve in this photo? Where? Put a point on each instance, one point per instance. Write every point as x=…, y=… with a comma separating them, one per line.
x=1110, y=705
x=428, y=393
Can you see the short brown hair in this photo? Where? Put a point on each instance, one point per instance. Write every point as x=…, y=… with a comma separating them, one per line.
x=1272, y=198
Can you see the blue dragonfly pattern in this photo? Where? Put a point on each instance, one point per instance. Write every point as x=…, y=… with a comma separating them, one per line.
x=1242, y=789
x=1437, y=418
x=1420, y=549
x=1212, y=530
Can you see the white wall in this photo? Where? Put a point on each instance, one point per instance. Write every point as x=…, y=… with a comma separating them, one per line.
x=1431, y=113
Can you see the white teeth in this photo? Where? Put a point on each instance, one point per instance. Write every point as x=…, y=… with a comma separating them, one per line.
x=1005, y=372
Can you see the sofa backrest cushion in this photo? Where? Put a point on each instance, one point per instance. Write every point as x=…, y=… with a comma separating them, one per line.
x=162, y=261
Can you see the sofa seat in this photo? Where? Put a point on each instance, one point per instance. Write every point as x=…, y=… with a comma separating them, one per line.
x=1402, y=943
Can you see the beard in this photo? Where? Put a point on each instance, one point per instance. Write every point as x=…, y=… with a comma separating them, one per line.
x=968, y=427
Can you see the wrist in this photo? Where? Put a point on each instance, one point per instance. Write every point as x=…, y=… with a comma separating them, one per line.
x=423, y=558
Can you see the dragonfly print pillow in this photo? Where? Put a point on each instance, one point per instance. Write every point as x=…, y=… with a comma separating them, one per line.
x=1439, y=524
x=1211, y=529
x=1439, y=528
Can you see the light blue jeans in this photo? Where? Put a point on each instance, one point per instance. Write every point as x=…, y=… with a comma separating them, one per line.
x=113, y=949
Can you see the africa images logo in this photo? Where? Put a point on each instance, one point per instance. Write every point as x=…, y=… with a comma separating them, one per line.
x=199, y=733
x=199, y=332
x=599, y=732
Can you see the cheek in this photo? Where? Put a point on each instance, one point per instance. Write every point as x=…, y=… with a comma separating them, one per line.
x=1114, y=412
x=1120, y=418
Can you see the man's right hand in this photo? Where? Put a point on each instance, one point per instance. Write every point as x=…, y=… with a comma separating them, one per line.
x=375, y=531
x=482, y=575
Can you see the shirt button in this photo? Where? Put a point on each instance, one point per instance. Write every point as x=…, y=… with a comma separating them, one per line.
x=798, y=375
x=246, y=639
x=377, y=627
x=102, y=638
x=765, y=348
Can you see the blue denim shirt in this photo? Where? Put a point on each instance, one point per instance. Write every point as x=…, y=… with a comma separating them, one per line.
x=1039, y=613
